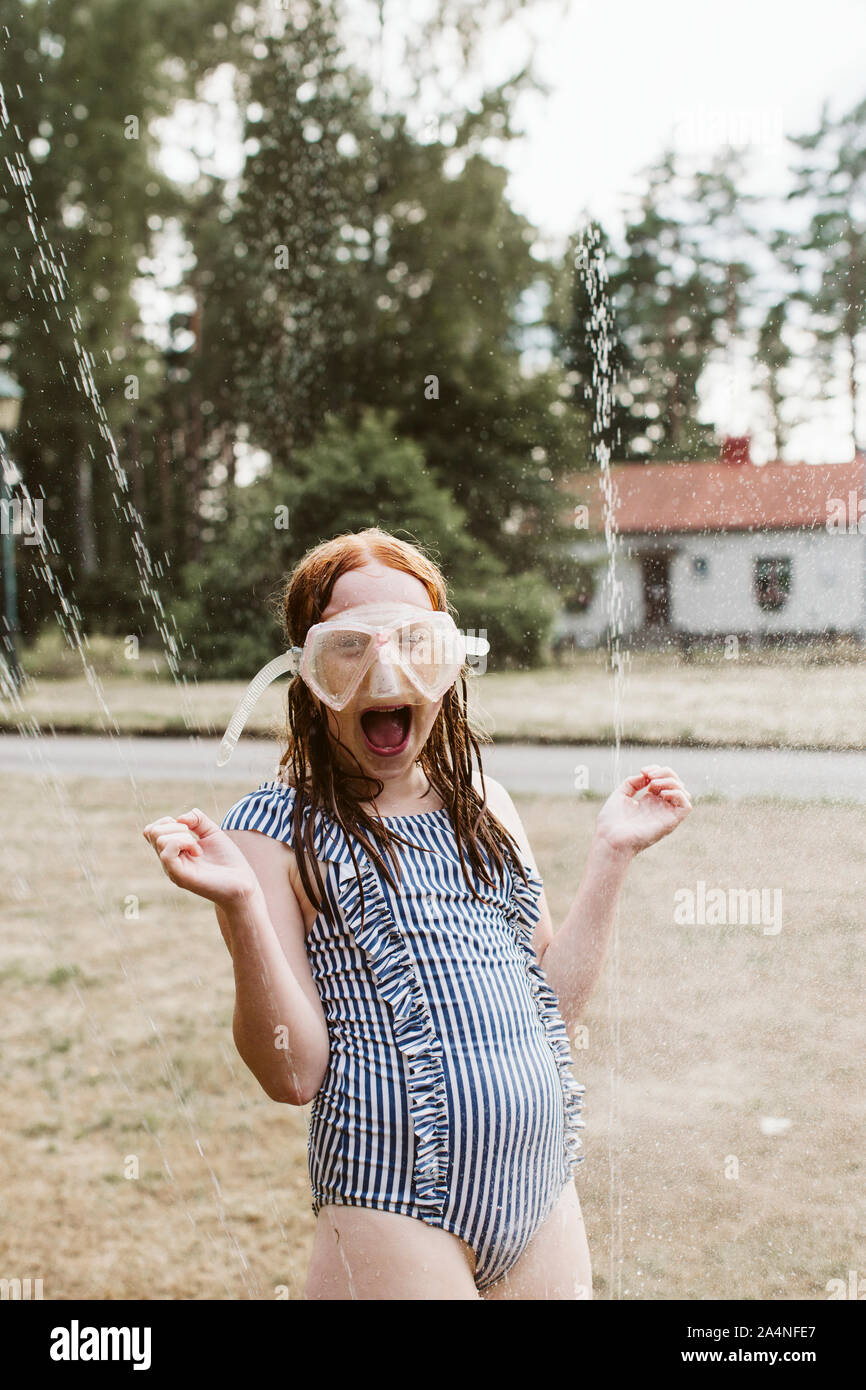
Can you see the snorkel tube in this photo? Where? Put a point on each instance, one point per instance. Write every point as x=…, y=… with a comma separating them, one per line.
x=288, y=661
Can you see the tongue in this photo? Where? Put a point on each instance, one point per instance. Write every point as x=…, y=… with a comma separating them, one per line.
x=384, y=728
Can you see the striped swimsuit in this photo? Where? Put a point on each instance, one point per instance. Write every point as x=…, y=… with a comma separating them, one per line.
x=449, y=1094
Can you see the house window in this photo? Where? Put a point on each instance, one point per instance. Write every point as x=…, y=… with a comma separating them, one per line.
x=772, y=582
x=700, y=566
x=580, y=587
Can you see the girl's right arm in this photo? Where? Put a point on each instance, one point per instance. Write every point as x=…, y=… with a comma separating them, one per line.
x=279, y=1025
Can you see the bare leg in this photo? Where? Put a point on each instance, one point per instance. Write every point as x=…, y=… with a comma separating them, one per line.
x=555, y=1263
x=362, y=1253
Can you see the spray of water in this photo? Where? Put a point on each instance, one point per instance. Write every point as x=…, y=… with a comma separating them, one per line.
x=591, y=264
x=51, y=284
x=57, y=797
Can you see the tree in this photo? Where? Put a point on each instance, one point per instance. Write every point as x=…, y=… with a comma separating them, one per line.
x=347, y=267
x=80, y=196
x=831, y=179
x=774, y=355
x=576, y=342
x=724, y=237
x=666, y=305
x=347, y=480
x=352, y=268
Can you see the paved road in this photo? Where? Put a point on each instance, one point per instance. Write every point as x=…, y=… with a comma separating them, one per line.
x=523, y=768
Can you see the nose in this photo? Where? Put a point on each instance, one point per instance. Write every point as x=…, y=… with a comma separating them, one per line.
x=384, y=678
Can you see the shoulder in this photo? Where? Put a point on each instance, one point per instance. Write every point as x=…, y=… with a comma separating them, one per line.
x=498, y=799
x=499, y=802
x=268, y=809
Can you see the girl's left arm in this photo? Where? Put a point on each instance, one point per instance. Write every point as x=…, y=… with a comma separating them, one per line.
x=645, y=808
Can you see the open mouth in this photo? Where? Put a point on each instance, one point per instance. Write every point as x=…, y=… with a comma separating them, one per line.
x=386, y=729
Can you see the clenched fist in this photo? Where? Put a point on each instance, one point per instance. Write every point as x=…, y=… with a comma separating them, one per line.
x=200, y=857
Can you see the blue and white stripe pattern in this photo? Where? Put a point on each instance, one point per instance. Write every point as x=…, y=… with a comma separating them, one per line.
x=449, y=1094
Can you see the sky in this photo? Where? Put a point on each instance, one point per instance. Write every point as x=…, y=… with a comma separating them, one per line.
x=629, y=76
x=625, y=78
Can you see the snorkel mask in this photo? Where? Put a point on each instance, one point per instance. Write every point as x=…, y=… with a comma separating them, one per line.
x=394, y=639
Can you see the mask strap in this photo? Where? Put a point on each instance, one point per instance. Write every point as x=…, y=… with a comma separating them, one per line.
x=476, y=646
x=288, y=661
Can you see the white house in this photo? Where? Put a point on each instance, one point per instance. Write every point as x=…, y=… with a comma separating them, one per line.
x=728, y=547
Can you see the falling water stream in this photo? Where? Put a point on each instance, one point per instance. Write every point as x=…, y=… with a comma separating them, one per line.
x=591, y=264
x=51, y=286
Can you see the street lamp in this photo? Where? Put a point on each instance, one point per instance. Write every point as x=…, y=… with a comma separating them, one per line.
x=10, y=409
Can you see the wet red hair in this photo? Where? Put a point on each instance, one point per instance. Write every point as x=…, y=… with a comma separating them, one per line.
x=326, y=784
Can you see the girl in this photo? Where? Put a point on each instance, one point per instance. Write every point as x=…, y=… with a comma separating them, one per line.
x=394, y=958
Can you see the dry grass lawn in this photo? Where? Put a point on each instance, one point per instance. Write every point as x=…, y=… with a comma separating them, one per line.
x=800, y=699
x=117, y=1051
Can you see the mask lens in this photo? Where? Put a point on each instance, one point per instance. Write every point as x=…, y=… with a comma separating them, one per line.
x=431, y=650
x=336, y=659
x=422, y=654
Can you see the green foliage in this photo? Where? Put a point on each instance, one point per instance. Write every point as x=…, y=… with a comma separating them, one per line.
x=371, y=476
x=516, y=613
x=360, y=301
x=590, y=343
x=345, y=481
x=89, y=81
x=227, y=614
x=396, y=268
x=645, y=323
x=356, y=271
x=662, y=294
x=774, y=355
x=833, y=185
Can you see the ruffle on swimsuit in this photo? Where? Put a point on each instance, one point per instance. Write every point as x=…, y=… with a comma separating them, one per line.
x=397, y=981
x=523, y=911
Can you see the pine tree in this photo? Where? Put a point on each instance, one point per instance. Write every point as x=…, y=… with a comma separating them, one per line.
x=774, y=355
x=725, y=238
x=667, y=308
x=576, y=343
x=831, y=180
x=727, y=247
x=81, y=197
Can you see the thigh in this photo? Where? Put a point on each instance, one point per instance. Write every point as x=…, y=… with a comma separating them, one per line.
x=362, y=1253
x=555, y=1263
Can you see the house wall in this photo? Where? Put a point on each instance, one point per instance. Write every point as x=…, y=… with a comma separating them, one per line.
x=828, y=584
x=589, y=628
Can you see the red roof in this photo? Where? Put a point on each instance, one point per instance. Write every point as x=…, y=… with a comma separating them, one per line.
x=671, y=497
